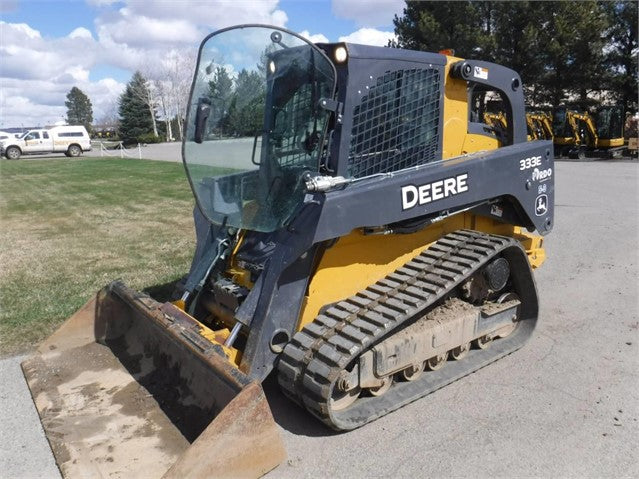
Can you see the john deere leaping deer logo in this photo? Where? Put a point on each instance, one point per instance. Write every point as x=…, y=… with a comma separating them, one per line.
x=541, y=205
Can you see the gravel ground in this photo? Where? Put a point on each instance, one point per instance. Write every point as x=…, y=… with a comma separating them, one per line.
x=565, y=405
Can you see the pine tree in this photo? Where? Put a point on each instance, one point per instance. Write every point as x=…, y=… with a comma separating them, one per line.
x=79, y=108
x=572, y=51
x=433, y=26
x=221, y=94
x=557, y=47
x=247, y=118
x=135, y=121
x=519, y=42
x=621, y=57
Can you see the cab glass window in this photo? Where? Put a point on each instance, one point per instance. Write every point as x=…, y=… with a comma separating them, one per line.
x=489, y=111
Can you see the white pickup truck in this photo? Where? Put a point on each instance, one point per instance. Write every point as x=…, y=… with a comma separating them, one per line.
x=70, y=140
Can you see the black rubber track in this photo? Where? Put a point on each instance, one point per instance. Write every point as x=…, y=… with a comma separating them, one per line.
x=312, y=361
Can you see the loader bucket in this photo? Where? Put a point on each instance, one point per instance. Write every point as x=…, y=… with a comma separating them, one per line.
x=127, y=387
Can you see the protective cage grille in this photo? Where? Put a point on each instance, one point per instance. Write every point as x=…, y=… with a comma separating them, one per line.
x=297, y=112
x=396, y=125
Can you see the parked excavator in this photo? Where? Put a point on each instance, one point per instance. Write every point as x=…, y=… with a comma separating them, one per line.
x=531, y=128
x=578, y=134
x=574, y=132
x=610, y=121
x=362, y=234
x=539, y=126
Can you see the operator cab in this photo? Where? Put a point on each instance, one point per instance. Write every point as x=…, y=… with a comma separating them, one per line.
x=256, y=125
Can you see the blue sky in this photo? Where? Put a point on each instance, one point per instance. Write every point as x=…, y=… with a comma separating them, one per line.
x=47, y=47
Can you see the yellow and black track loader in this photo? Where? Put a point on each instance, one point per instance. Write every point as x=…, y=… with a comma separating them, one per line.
x=362, y=234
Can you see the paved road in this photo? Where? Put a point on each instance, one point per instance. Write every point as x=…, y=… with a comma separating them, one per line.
x=228, y=152
x=157, y=151
x=567, y=404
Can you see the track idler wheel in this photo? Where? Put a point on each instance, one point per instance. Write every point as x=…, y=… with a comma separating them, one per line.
x=414, y=372
x=483, y=342
x=387, y=382
x=507, y=330
x=460, y=352
x=437, y=362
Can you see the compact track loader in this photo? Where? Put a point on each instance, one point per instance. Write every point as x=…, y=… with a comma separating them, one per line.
x=361, y=233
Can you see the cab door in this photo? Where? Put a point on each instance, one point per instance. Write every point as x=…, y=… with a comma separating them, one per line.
x=32, y=142
x=47, y=142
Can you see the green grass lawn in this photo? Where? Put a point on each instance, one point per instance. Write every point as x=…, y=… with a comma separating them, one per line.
x=70, y=226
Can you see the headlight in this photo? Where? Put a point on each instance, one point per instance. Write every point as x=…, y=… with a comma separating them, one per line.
x=340, y=54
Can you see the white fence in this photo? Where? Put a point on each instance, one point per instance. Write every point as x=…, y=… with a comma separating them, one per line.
x=116, y=148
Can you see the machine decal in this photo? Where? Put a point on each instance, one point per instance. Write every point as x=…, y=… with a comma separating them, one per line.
x=530, y=162
x=480, y=72
x=541, y=188
x=541, y=175
x=495, y=210
x=437, y=190
x=541, y=205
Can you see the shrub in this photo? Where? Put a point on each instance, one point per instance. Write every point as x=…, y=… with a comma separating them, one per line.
x=149, y=138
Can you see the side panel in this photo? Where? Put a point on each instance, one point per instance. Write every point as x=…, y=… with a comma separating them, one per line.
x=357, y=260
x=522, y=172
x=455, y=113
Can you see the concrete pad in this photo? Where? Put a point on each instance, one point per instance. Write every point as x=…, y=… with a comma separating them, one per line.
x=565, y=405
x=24, y=450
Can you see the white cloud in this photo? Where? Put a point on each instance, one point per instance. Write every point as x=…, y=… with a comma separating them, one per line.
x=212, y=14
x=78, y=73
x=103, y=94
x=369, y=36
x=31, y=114
x=41, y=102
x=20, y=29
x=141, y=33
x=24, y=54
x=81, y=32
x=316, y=38
x=368, y=13
x=138, y=31
x=38, y=70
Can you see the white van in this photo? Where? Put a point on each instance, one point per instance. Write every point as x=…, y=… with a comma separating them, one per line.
x=70, y=140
